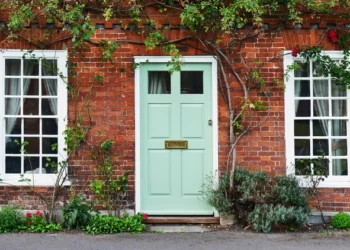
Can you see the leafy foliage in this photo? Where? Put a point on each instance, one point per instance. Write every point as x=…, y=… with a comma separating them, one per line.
x=110, y=224
x=10, y=219
x=36, y=223
x=341, y=221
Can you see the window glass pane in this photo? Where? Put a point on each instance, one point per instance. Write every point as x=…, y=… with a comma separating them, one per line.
x=13, y=145
x=30, y=86
x=317, y=70
x=302, y=88
x=302, y=108
x=31, y=106
x=30, y=67
x=13, y=67
x=321, y=108
x=49, y=87
x=159, y=82
x=12, y=106
x=47, y=145
x=13, y=126
x=339, y=108
x=320, y=147
x=320, y=88
x=49, y=67
x=302, y=147
x=320, y=127
x=337, y=91
x=13, y=165
x=49, y=106
x=13, y=86
x=49, y=165
x=303, y=70
x=339, y=147
x=301, y=128
x=33, y=145
x=340, y=167
x=191, y=82
x=320, y=166
x=339, y=128
x=49, y=126
x=302, y=167
x=31, y=165
x=31, y=126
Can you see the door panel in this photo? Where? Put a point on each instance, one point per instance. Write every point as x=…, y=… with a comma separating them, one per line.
x=175, y=107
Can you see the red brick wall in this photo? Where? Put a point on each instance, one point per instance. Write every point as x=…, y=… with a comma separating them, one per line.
x=112, y=107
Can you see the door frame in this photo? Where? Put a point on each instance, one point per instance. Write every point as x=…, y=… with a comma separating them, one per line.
x=138, y=60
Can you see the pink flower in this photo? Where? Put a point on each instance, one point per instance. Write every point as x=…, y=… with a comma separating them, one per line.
x=332, y=35
x=295, y=51
x=145, y=216
x=28, y=215
x=38, y=213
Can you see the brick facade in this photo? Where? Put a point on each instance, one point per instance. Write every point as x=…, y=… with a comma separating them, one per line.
x=113, y=105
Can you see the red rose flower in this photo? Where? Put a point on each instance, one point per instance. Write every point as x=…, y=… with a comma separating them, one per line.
x=38, y=213
x=295, y=51
x=145, y=216
x=28, y=215
x=30, y=222
x=332, y=35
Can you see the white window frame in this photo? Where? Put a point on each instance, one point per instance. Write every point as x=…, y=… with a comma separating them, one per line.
x=61, y=57
x=330, y=181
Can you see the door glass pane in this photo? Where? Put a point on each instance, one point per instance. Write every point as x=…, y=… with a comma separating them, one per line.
x=191, y=82
x=49, y=106
x=303, y=69
x=159, y=82
x=339, y=147
x=302, y=88
x=339, y=108
x=320, y=127
x=13, y=165
x=321, y=108
x=13, y=67
x=301, y=128
x=302, y=108
x=31, y=106
x=49, y=67
x=13, y=86
x=31, y=126
x=302, y=147
x=320, y=88
x=320, y=147
x=340, y=167
x=30, y=67
x=339, y=128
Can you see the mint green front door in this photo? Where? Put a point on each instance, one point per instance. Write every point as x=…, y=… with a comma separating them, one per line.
x=175, y=107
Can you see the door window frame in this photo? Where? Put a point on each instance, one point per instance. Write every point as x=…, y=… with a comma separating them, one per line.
x=139, y=60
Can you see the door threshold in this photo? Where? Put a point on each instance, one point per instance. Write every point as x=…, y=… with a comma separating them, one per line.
x=182, y=220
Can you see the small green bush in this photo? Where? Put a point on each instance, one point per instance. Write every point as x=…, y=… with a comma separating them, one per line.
x=77, y=213
x=36, y=223
x=341, y=221
x=109, y=224
x=11, y=219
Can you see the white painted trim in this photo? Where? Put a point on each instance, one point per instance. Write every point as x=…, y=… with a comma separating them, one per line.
x=165, y=59
x=331, y=181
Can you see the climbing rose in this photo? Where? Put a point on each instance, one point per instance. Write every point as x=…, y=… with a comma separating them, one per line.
x=145, y=216
x=28, y=215
x=295, y=51
x=332, y=34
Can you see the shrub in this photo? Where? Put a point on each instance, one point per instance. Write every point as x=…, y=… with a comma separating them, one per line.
x=11, y=219
x=341, y=221
x=35, y=223
x=77, y=212
x=109, y=224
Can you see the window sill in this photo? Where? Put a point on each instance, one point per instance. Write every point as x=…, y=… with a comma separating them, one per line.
x=326, y=183
x=38, y=182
